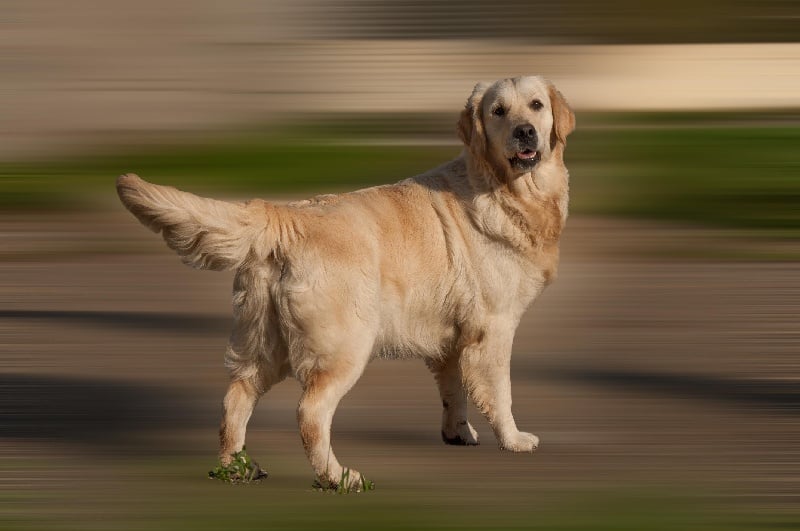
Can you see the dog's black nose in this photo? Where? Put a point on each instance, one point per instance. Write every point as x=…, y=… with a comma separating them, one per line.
x=525, y=132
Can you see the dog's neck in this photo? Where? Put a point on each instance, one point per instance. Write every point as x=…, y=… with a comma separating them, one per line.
x=527, y=211
x=548, y=182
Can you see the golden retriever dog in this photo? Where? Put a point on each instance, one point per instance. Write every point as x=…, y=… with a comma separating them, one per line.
x=440, y=266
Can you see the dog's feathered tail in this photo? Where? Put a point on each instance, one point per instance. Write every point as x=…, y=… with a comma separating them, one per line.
x=206, y=233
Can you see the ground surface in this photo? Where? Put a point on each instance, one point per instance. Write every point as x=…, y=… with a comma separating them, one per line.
x=664, y=391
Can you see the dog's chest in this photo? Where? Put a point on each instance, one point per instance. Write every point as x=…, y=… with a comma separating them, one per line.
x=510, y=282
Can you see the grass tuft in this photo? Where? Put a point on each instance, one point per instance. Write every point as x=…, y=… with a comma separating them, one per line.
x=241, y=469
x=344, y=486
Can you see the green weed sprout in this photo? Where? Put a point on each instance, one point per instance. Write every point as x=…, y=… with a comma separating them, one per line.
x=343, y=486
x=241, y=469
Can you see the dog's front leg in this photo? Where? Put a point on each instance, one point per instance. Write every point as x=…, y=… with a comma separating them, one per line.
x=485, y=367
x=456, y=429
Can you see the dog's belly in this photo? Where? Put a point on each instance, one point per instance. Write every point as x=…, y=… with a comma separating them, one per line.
x=405, y=339
x=415, y=321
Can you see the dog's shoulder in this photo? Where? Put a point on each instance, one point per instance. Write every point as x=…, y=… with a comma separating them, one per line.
x=318, y=200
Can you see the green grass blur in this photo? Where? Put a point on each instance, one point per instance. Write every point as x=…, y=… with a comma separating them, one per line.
x=707, y=169
x=172, y=495
x=714, y=169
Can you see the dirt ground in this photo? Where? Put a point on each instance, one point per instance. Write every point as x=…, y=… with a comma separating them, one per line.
x=634, y=369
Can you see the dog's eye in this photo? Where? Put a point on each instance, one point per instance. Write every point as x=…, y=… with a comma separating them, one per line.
x=499, y=111
x=536, y=105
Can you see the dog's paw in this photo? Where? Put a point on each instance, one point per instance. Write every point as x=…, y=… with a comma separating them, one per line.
x=463, y=435
x=521, y=442
x=238, y=467
x=349, y=481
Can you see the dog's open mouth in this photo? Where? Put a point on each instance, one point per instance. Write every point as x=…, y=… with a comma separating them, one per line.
x=526, y=158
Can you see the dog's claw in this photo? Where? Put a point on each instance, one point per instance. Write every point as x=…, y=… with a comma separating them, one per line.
x=463, y=435
x=458, y=440
x=259, y=474
x=521, y=442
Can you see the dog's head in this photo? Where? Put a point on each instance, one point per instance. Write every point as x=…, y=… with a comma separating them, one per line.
x=511, y=126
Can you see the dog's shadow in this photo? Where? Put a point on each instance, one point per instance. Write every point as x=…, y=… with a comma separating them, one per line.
x=748, y=394
x=101, y=413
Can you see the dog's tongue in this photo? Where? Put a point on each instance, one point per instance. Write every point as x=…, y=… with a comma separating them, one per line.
x=527, y=154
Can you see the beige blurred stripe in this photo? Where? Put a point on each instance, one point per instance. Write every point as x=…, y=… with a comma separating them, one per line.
x=66, y=90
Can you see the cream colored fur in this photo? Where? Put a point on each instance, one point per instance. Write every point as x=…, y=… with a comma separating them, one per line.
x=440, y=267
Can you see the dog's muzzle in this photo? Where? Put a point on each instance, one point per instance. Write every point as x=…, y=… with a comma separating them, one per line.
x=523, y=146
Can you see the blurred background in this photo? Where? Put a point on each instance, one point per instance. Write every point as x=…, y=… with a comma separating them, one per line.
x=660, y=371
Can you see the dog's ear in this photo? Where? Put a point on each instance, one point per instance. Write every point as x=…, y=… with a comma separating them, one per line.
x=563, y=117
x=470, y=125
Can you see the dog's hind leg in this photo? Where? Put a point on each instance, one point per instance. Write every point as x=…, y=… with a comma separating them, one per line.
x=323, y=389
x=455, y=427
x=238, y=405
x=243, y=394
x=250, y=358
